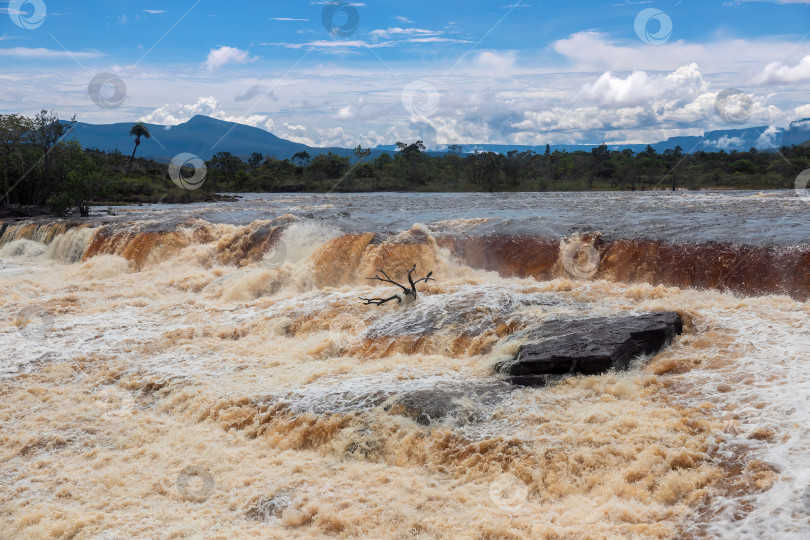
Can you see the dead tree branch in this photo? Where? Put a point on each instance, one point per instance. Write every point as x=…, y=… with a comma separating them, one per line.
x=408, y=294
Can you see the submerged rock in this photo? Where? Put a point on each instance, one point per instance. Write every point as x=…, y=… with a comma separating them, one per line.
x=589, y=346
x=425, y=401
x=463, y=405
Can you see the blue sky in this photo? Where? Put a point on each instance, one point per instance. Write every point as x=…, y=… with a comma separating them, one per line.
x=469, y=72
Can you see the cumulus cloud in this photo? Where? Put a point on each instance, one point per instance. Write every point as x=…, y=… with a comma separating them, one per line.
x=779, y=73
x=639, y=88
x=638, y=107
x=802, y=111
x=226, y=55
x=724, y=143
x=637, y=100
x=178, y=113
x=596, y=51
x=330, y=136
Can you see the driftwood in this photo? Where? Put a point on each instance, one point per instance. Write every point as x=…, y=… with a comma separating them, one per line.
x=408, y=293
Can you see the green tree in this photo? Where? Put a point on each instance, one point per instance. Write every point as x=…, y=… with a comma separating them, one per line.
x=255, y=160
x=13, y=129
x=46, y=133
x=84, y=182
x=361, y=153
x=138, y=130
x=301, y=158
x=226, y=163
x=453, y=158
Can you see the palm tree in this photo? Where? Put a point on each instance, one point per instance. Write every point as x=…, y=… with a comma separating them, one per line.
x=138, y=130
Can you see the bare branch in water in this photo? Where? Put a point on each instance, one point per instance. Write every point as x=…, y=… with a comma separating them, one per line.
x=407, y=293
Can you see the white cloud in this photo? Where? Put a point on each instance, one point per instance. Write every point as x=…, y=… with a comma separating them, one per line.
x=639, y=88
x=495, y=62
x=154, y=11
x=779, y=73
x=592, y=51
x=414, y=35
x=382, y=34
x=41, y=53
x=226, y=55
x=172, y=115
x=724, y=143
x=802, y=111
x=334, y=45
x=768, y=138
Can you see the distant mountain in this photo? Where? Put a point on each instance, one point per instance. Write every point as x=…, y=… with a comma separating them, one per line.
x=742, y=140
x=797, y=134
x=204, y=136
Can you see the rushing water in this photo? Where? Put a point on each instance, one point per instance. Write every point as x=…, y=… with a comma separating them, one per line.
x=209, y=370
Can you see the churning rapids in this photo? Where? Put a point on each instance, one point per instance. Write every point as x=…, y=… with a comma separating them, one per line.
x=209, y=371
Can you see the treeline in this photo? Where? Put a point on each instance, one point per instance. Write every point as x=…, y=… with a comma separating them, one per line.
x=42, y=165
x=411, y=168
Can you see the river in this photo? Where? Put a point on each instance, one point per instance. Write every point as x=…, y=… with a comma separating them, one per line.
x=208, y=370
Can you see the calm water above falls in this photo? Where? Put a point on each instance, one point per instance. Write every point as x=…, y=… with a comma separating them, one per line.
x=752, y=217
x=208, y=369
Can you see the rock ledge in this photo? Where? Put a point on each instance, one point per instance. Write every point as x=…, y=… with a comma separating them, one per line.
x=589, y=346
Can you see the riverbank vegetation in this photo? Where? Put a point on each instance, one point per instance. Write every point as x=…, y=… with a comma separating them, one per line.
x=42, y=165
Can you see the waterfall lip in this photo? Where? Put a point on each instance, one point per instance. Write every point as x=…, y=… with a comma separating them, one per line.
x=763, y=218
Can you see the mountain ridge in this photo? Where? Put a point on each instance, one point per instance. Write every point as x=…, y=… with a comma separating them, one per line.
x=204, y=136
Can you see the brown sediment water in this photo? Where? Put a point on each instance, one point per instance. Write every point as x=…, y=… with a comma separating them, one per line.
x=224, y=380
x=740, y=268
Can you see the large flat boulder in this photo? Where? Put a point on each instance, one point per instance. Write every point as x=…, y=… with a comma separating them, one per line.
x=589, y=346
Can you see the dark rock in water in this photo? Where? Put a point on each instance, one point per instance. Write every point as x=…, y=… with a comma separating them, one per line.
x=461, y=404
x=19, y=212
x=590, y=346
x=461, y=401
